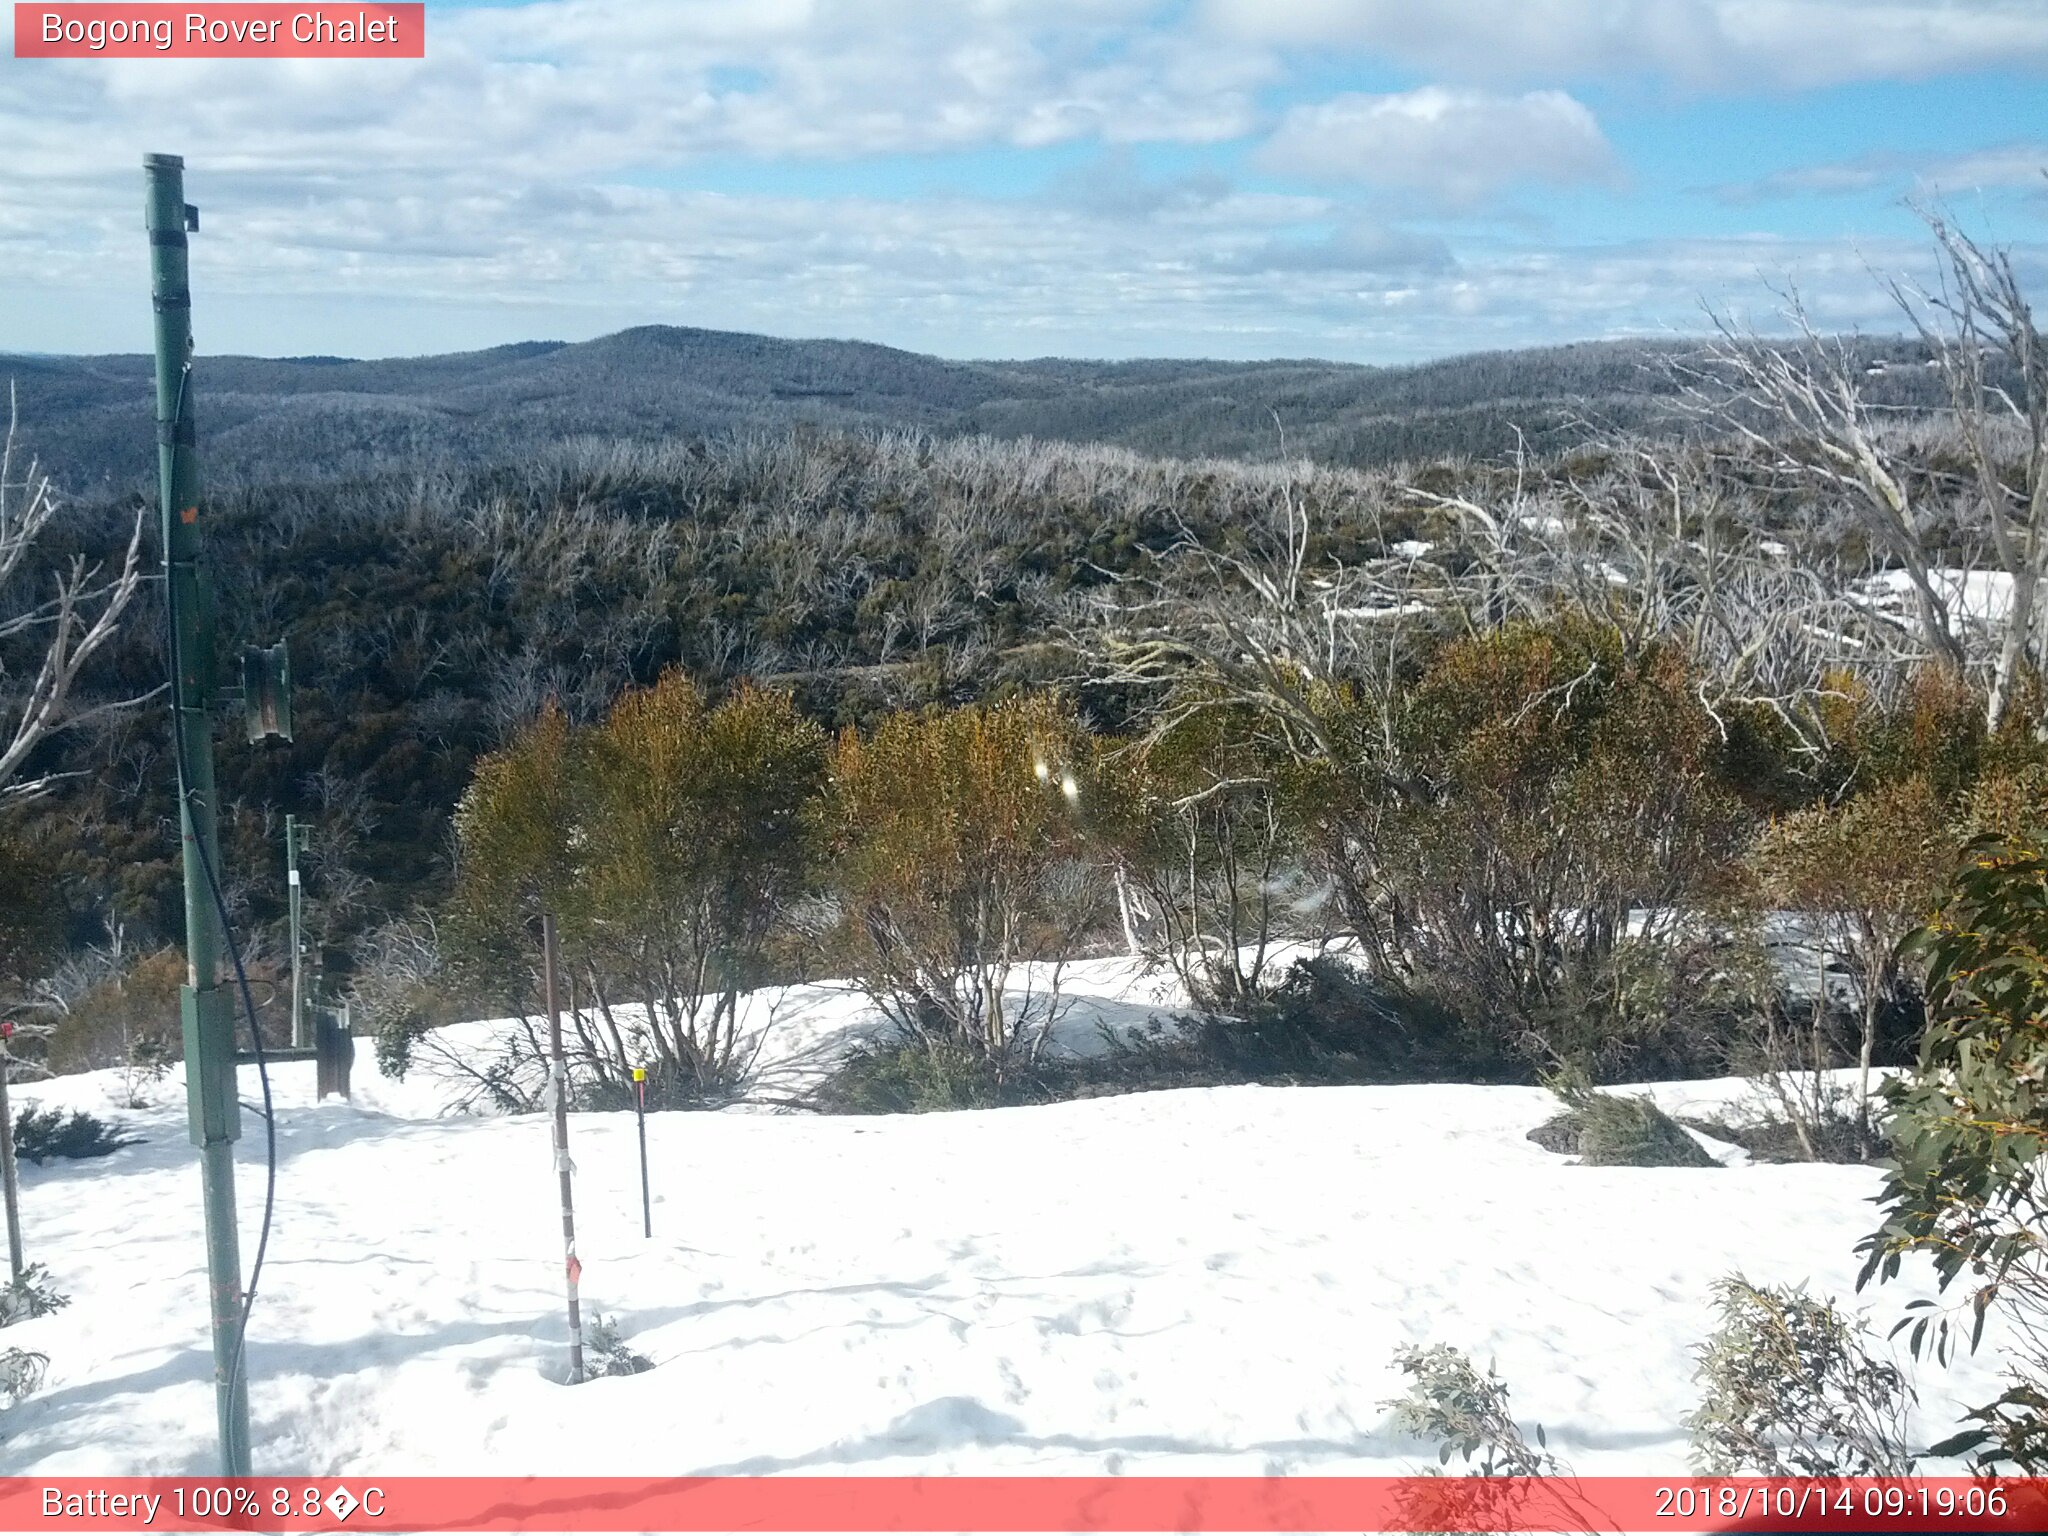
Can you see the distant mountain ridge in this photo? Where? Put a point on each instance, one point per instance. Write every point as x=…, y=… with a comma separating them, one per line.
x=273, y=419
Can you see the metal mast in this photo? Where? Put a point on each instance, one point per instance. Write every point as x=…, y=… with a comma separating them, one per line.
x=207, y=1007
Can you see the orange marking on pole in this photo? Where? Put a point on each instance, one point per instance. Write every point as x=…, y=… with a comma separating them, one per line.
x=189, y=515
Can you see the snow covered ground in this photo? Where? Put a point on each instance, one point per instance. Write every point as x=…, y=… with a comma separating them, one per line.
x=1208, y=1281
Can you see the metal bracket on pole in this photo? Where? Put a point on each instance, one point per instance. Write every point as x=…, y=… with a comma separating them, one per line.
x=215, y=1106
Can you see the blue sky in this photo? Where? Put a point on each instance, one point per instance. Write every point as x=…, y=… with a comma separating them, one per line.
x=1371, y=180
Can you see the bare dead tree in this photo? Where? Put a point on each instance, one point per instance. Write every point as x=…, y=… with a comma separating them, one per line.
x=1802, y=409
x=81, y=614
x=1660, y=545
x=1979, y=315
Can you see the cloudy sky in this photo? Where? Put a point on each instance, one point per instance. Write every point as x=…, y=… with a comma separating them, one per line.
x=1371, y=180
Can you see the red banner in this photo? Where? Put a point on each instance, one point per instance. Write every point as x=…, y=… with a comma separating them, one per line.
x=262, y=31
x=1014, y=1504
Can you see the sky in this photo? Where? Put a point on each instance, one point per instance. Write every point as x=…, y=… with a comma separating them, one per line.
x=1374, y=181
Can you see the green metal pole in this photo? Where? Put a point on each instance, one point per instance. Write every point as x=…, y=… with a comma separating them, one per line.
x=302, y=1035
x=207, y=1007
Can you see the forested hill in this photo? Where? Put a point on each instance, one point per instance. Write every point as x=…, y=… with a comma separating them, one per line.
x=272, y=419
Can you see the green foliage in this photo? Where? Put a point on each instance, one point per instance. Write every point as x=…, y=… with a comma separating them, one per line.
x=1465, y=1414
x=513, y=827
x=1969, y=1125
x=129, y=1016
x=30, y=1294
x=1874, y=865
x=1330, y=1022
x=31, y=925
x=908, y=1076
x=606, y=1352
x=1617, y=1130
x=1208, y=824
x=1863, y=875
x=1508, y=738
x=41, y=1134
x=668, y=841
x=1790, y=1388
x=397, y=1031
x=1933, y=730
x=1326, y=1023
x=955, y=843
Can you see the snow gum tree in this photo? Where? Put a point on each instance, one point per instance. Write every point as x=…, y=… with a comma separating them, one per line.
x=667, y=840
x=1570, y=799
x=1863, y=875
x=690, y=847
x=956, y=842
x=1208, y=824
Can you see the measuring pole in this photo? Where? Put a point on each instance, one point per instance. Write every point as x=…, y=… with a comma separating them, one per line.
x=640, y=1109
x=9, y=1175
x=206, y=1006
x=302, y=1024
x=558, y=1090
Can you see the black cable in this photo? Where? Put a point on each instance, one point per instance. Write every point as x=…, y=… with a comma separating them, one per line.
x=227, y=930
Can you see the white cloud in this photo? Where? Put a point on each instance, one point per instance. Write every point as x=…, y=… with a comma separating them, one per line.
x=2022, y=166
x=479, y=262
x=541, y=173
x=582, y=87
x=1457, y=149
x=1700, y=43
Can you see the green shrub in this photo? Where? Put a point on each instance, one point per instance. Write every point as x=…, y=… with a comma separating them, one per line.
x=1207, y=825
x=606, y=1352
x=41, y=1134
x=1465, y=1414
x=1864, y=874
x=957, y=846
x=30, y=1295
x=1790, y=1388
x=1329, y=1022
x=1621, y=1130
x=121, y=1013
x=1505, y=741
x=908, y=1076
x=668, y=842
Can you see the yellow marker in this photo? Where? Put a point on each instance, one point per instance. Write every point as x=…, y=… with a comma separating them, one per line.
x=639, y=1074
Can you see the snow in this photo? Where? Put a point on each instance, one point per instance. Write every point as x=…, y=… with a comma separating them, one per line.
x=1973, y=597
x=1203, y=1281
x=1383, y=611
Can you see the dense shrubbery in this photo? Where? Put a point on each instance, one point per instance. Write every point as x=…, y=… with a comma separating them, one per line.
x=1568, y=866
